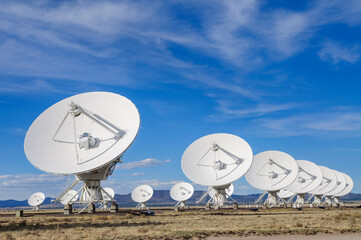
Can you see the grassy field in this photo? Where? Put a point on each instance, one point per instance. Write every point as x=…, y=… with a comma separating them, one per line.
x=182, y=225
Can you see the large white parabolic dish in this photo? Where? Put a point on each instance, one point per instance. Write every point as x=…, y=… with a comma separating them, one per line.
x=55, y=142
x=272, y=171
x=217, y=159
x=309, y=177
x=340, y=185
x=181, y=191
x=142, y=193
x=36, y=199
x=329, y=181
x=348, y=188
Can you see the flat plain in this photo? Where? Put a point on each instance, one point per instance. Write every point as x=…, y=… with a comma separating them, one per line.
x=190, y=224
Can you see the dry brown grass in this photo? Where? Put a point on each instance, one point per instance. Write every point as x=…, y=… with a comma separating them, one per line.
x=170, y=225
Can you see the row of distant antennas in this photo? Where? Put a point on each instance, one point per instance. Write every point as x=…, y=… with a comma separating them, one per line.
x=217, y=160
x=36, y=199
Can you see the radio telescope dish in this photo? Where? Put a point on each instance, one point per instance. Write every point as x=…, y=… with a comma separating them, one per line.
x=328, y=183
x=82, y=133
x=271, y=171
x=284, y=194
x=85, y=135
x=348, y=187
x=141, y=195
x=36, y=199
x=340, y=185
x=181, y=192
x=108, y=194
x=217, y=159
x=70, y=196
x=345, y=191
x=309, y=177
x=229, y=191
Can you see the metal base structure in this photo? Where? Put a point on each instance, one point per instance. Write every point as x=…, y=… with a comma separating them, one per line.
x=142, y=206
x=219, y=200
x=91, y=192
x=181, y=205
x=336, y=202
x=300, y=201
x=271, y=200
x=317, y=200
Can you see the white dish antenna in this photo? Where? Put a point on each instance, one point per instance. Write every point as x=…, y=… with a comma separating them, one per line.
x=340, y=184
x=142, y=194
x=36, y=199
x=284, y=194
x=85, y=135
x=328, y=183
x=272, y=171
x=229, y=191
x=181, y=192
x=309, y=177
x=217, y=159
x=68, y=197
x=108, y=194
x=345, y=191
x=82, y=133
x=348, y=187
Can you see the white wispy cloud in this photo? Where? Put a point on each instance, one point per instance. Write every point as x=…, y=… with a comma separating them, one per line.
x=23, y=185
x=344, y=122
x=335, y=53
x=149, y=162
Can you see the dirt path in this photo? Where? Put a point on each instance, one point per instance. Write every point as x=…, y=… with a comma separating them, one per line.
x=356, y=236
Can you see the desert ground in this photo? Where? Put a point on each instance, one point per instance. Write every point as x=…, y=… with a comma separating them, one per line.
x=228, y=224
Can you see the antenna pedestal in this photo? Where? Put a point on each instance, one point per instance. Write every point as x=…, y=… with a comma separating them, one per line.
x=300, y=200
x=142, y=206
x=271, y=200
x=219, y=199
x=328, y=201
x=317, y=200
x=336, y=202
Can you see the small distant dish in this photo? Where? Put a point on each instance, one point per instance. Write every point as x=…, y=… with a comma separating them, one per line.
x=36, y=199
x=181, y=192
x=284, y=194
x=217, y=159
x=108, y=194
x=142, y=194
x=70, y=196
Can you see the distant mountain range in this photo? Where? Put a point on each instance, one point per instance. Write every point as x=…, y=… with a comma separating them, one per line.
x=162, y=198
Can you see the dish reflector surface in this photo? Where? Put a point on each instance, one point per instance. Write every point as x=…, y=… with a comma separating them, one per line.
x=82, y=133
x=71, y=195
x=217, y=159
x=110, y=192
x=181, y=191
x=272, y=170
x=328, y=183
x=283, y=193
x=309, y=177
x=142, y=193
x=348, y=187
x=36, y=199
x=340, y=184
x=229, y=191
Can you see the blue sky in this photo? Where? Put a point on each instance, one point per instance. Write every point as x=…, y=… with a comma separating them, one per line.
x=283, y=75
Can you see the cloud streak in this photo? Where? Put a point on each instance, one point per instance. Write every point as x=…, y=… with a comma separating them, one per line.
x=149, y=162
